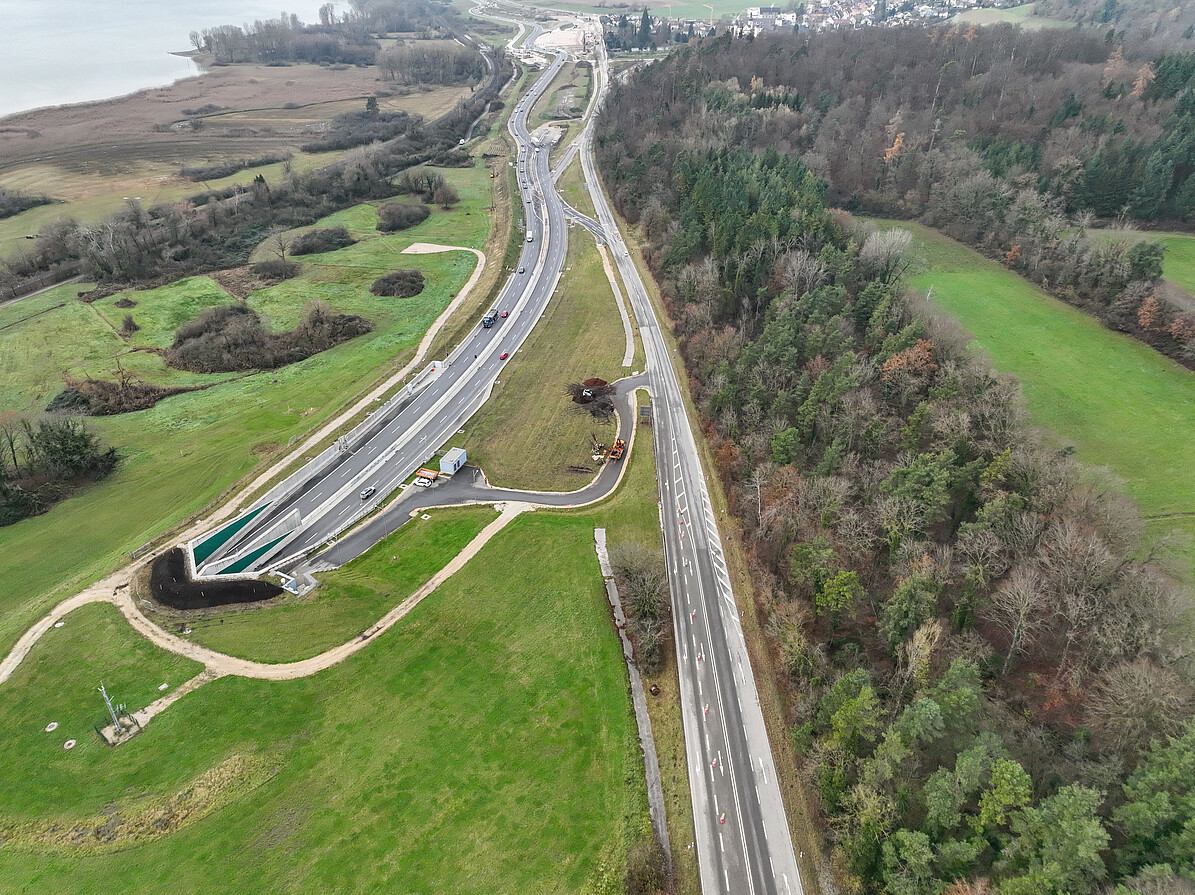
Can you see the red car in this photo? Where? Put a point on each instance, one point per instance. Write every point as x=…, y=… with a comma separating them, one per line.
x=504, y=355
x=506, y=313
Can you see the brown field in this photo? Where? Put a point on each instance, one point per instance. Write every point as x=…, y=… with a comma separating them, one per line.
x=93, y=155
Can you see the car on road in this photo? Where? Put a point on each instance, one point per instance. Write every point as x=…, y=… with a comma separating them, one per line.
x=504, y=355
x=506, y=313
x=522, y=270
x=368, y=492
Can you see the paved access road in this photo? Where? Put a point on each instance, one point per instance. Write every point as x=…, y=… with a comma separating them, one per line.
x=743, y=840
x=407, y=433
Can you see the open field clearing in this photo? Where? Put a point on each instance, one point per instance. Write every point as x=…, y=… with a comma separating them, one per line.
x=530, y=432
x=89, y=195
x=483, y=745
x=349, y=599
x=1118, y=402
x=1014, y=15
x=186, y=451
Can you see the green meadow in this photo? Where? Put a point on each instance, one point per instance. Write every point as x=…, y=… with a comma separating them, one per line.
x=1119, y=403
x=189, y=449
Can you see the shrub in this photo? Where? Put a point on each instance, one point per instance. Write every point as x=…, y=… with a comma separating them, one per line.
x=276, y=269
x=230, y=338
x=399, y=284
x=322, y=239
x=399, y=216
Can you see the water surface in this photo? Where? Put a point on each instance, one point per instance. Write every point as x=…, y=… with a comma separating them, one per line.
x=68, y=51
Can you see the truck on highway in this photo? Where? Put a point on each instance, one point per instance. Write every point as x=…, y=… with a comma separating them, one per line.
x=619, y=449
x=488, y=320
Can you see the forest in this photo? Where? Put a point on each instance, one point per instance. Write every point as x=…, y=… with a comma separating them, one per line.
x=986, y=671
x=1014, y=142
x=1143, y=18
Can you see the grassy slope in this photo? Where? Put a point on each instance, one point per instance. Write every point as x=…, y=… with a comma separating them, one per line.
x=483, y=745
x=529, y=432
x=1016, y=15
x=185, y=452
x=57, y=682
x=1121, y=404
x=1179, y=262
x=351, y=599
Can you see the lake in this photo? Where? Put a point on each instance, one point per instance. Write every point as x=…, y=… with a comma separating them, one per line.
x=54, y=52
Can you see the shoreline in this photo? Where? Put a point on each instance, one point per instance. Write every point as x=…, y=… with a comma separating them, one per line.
x=193, y=56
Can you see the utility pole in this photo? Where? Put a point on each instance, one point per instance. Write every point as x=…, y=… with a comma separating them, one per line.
x=111, y=711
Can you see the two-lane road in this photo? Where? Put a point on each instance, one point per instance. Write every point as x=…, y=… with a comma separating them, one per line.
x=743, y=840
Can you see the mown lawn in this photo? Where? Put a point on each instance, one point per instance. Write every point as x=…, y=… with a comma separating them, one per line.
x=349, y=600
x=1118, y=402
x=530, y=432
x=186, y=451
x=483, y=745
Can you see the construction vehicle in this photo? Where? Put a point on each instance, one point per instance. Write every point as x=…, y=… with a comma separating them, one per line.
x=620, y=446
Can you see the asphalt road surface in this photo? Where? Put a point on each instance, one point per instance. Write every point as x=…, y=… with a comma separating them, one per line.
x=409, y=433
x=743, y=840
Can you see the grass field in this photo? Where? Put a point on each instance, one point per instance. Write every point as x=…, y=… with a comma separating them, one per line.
x=483, y=745
x=350, y=599
x=182, y=454
x=575, y=191
x=1014, y=15
x=530, y=432
x=1121, y=404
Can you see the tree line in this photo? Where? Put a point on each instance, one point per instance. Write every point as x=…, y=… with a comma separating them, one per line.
x=1014, y=142
x=1141, y=18
x=347, y=38
x=985, y=670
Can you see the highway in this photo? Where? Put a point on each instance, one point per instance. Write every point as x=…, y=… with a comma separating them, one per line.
x=405, y=434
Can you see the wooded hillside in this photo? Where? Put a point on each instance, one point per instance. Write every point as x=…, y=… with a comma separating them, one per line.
x=986, y=674
x=1014, y=142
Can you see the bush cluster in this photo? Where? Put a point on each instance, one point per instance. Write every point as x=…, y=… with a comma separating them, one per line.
x=230, y=167
x=399, y=284
x=232, y=337
x=400, y=215
x=321, y=239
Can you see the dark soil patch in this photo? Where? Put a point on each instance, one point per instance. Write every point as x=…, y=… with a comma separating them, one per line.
x=124, y=303
x=170, y=585
x=595, y=396
x=241, y=282
x=97, y=293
